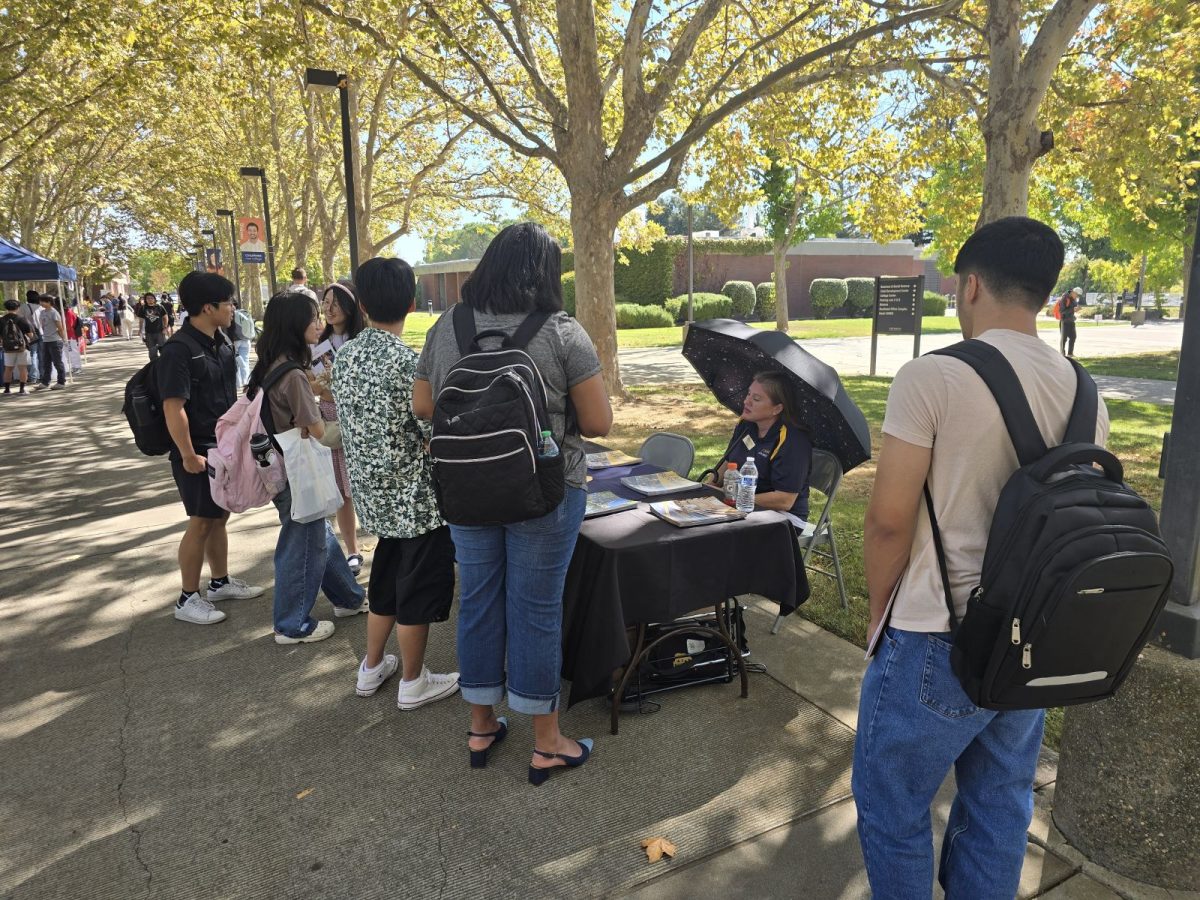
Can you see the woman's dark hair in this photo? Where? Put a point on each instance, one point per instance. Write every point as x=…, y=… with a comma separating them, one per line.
x=521, y=272
x=344, y=297
x=287, y=317
x=780, y=391
x=385, y=287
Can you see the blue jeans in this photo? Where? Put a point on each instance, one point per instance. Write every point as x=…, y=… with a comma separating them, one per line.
x=35, y=358
x=914, y=723
x=510, y=581
x=243, y=362
x=308, y=558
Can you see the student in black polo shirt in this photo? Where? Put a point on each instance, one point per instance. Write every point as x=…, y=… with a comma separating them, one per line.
x=197, y=382
x=782, y=449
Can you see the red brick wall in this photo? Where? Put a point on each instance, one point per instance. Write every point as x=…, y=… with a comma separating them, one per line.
x=713, y=270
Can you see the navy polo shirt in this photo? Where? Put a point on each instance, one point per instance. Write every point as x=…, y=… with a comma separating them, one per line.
x=783, y=457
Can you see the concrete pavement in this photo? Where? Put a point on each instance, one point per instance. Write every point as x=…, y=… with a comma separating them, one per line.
x=851, y=356
x=144, y=757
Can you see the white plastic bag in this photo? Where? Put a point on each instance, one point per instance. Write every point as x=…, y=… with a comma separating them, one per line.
x=309, y=468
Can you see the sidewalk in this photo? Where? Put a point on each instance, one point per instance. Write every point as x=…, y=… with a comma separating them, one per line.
x=148, y=757
x=852, y=356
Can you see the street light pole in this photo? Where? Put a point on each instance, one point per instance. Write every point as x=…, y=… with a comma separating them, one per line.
x=233, y=252
x=261, y=174
x=326, y=80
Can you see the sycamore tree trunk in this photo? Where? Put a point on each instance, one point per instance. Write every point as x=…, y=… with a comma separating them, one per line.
x=1013, y=146
x=593, y=224
x=779, y=267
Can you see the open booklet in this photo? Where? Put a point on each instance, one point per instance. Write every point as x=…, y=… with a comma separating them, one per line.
x=602, y=503
x=695, y=511
x=658, y=483
x=610, y=458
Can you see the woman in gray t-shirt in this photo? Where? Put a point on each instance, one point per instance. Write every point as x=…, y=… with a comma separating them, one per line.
x=511, y=576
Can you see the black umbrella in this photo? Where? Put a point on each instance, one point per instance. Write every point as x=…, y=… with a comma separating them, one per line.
x=727, y=354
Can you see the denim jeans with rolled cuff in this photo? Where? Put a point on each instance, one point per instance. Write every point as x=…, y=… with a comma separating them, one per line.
x=914, y=723
x=510, y=580
x=308, y=559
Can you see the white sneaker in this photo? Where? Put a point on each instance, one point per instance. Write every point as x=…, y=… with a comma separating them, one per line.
x=322, y=631
x=370, y=680
x=236, y=589
x=426, y=689
x=198, y=611
x=341, y=612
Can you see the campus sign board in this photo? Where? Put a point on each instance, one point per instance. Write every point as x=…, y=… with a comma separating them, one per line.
x=898, y=302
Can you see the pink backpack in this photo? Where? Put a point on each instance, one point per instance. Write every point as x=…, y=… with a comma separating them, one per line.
x=235, y=478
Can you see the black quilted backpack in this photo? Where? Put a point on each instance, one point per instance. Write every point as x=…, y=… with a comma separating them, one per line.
x=1075, y=572
x=488, y=419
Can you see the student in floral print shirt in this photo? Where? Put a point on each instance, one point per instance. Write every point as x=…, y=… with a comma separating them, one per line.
x=391, y=481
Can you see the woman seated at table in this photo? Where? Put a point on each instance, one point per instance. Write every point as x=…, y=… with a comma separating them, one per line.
x=781, y=447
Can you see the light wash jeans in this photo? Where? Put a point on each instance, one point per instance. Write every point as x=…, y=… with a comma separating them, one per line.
x=914, y=723
x=242, y=359
x=308, y=558
x=510, y=581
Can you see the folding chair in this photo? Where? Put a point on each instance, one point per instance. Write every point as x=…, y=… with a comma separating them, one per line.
x=669, y=451
x=824, y=476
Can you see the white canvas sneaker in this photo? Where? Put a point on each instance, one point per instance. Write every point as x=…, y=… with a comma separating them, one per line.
x=341, y=612
x=370, y=680
x=198, y=611
x=236, y=589
x=323, y=630
x=428, y=688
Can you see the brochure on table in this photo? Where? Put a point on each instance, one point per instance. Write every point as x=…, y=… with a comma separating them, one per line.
x=611, y=458
x=657, y=483
x=602, y=503
x=695, y=511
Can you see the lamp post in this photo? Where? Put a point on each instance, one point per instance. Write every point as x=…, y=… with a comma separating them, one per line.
x=261, y=174
x=327, y=80
x=237, y=283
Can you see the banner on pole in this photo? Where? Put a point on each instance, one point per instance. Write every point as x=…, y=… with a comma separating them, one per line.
x=250, y=239
x=212, y=260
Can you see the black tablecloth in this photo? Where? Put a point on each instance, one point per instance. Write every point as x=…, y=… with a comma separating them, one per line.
x=632, y=567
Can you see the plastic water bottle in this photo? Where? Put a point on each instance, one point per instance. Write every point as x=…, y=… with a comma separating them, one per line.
x=731, y=483
x=749, y=481
x=549, y=445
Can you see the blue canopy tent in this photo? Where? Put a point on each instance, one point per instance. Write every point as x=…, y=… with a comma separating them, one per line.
x=19, y=264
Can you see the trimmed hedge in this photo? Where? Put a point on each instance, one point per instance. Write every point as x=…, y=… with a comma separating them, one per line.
x=934, y=304
x=704, y=306
x=646, y=278
x=826, y=295
x=860, y=296
x=568, y=261
x=742, y=295
x=568, y=292
x=633, y=315
x=765, y=305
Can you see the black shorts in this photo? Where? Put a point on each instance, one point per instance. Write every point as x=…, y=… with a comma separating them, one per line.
x=413, y=578
x=194, y=491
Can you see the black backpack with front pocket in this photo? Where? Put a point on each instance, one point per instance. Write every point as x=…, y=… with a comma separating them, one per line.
x=1075, y=572
x=488, y=418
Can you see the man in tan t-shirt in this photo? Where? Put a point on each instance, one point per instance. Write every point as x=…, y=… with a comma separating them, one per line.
x=942, y=426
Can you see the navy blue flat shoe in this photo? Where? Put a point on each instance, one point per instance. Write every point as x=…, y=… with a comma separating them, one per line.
x=479, y=757
x=538, y=776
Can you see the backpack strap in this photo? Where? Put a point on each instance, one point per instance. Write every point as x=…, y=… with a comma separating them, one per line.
x=997, y=373
x=268, y=382
x=1081, y=427
x=464, y=327
x=527, y=329
x=943, y=569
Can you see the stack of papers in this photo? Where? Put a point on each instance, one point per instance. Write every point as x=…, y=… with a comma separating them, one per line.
x=610, y=458
x=604, y=502
x=658, y=483
x=696, y=511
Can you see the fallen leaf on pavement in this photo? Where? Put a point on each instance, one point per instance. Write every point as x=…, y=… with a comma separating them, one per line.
x=658, y=847
x=304, y=793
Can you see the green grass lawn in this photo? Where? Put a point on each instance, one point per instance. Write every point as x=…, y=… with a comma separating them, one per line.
x=1136, y=437
x=1158, y=366
x=803, y=329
